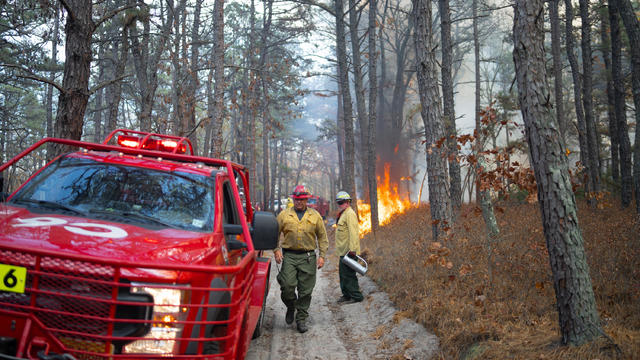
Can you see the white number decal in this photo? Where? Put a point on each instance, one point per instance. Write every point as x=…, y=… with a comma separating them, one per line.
x=113, y=232
x=40, y=221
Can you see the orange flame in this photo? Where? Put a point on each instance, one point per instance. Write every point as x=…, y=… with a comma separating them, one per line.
x=390, y=203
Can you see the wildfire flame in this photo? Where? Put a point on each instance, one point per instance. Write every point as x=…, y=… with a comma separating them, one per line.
x=390, y=203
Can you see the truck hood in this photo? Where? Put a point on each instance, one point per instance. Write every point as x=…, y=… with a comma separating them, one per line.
x=22, y=228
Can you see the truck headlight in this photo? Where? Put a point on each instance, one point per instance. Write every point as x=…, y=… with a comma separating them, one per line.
x=167, y=314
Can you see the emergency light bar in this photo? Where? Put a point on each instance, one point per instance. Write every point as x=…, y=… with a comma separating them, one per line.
x=165, y=145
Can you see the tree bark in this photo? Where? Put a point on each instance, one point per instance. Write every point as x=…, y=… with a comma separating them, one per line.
x=343, y=78
x=146, y=63
x=72, y=101
x=432, y=119
x=217, y=113
x=193, y=80
x=484, y=196
x=120, y=52
x=554, y=19
x=264, y=98
x=373, y=93
x=177, y=87
x=621, y=127
x=578, y=316
x=632, y=25
x=449, y=117
x=577, y=90
x=611, y=114
x=340, y=137
x=54, y=60
x=359, y=90
x=587, y=101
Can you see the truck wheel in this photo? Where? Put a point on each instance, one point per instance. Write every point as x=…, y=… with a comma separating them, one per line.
x=258, y=330
x=215, y=347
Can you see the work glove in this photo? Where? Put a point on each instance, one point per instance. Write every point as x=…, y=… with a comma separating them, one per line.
x=351, y=254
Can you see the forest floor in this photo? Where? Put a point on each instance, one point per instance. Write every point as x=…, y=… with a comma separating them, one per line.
x=506, y=307
x=367, y=330
x=478, y=309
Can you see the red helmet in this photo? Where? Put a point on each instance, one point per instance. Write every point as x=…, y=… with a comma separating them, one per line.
x=300, y=192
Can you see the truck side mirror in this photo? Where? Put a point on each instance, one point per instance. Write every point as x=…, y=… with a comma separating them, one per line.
x=264, y=230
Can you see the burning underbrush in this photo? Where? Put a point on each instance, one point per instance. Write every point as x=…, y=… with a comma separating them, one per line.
x=505, y=308
x=390, y=203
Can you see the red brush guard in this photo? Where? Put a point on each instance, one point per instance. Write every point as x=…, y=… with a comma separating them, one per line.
x=100, y=309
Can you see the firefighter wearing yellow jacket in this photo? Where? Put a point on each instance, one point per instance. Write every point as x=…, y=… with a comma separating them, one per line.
x=301, y=227
x=347, y=244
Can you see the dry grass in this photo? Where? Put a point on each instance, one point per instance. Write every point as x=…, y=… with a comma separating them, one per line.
x=508, y=310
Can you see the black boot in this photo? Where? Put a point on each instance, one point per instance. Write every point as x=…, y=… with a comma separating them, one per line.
x=291, y=311
x=302, y=326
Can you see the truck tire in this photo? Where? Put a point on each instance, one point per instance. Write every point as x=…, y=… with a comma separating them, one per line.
x=217, y=314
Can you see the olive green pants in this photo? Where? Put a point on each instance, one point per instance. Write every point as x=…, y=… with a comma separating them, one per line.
x=298, y=271
x=349, y=282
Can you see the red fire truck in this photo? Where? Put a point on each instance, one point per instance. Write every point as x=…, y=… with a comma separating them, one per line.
x=132, y=249
x=319, y=204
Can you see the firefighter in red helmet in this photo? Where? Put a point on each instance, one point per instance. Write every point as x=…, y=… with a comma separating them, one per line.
x=302, y=227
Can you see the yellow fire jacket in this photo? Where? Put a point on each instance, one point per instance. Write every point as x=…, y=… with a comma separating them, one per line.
x=347, y=230
x=302, y=234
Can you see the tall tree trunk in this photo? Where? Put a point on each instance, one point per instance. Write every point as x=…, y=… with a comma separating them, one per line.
x=207, y=148
x=217, y=115
x=146, y=62
x=359, y=88
x=266, y=194
x=341, y=49
x=98, y=100
x=448, y=109
x=264, y=98
x=340, y=130
x=251, y=93
x=373, y=93
x=626, y=177
x=120, y=62
x=432, y=119
x=382, y=103
x=632, y=25
x=484, y=196
x=577, y=90
x=587, y=100
x=193, y=81
x=611, y=101
x=554, y=19
x=72, y=101
x=578, y=316
x=177, y=99
x=52, y=75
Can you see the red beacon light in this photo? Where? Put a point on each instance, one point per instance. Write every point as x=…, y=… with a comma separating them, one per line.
x=164, y=145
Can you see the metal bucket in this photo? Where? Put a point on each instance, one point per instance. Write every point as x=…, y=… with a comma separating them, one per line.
x=355, y=265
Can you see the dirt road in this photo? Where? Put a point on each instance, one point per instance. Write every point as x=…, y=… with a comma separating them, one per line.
x=371, y=329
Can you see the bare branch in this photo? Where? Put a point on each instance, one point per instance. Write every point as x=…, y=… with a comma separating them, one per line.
x=324, y=7
x=113, y=13
x=30, y=75
x=107, y=83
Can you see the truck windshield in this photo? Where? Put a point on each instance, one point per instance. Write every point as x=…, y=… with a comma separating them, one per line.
x=312, y=201
x=123, y=193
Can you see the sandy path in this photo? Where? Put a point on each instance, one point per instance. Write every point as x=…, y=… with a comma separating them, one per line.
x=366, y=330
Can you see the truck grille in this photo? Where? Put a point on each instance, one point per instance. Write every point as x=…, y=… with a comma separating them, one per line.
x=83, y=304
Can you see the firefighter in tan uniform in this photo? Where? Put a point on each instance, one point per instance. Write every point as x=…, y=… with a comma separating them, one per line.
x=347, y=244
x=302, y=227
